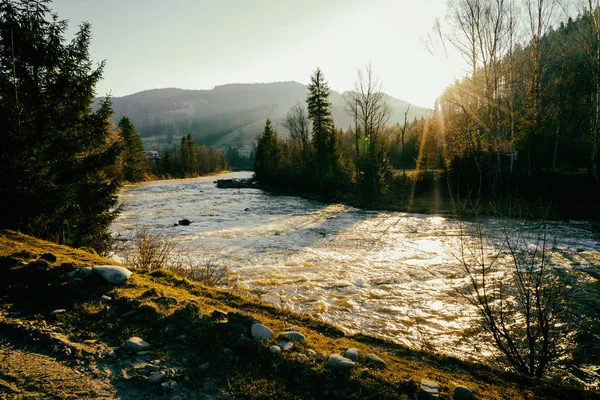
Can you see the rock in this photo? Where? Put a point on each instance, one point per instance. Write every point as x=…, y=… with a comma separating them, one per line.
x=275, y=349
x=48, y=257
x=352, y=354
x=181, y=338
x=170, y=330
x=165, y=300
x=218, y=315
x=105, y=298
x=311, y=353
x=149, y=368
x=429, y=390
x=112, y=274
x=190, y=301
x=169, y=386
x=143, y=353
x=375, y=360
x=59, y=311
x=157, y=378
x=462, y=393
x=238, y=324
x=261, y=332
x=136, y=344
x=246, y=209
x=184, y=222
x=364, y=372
x=129, y=314
x=292, y=336
x=285, y=345
x=340, y=363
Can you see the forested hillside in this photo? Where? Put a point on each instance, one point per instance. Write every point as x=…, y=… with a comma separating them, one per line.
x=228, y=115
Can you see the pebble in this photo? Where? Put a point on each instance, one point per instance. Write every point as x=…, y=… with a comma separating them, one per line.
x=261, y=332
x=156, y=378
x=336, y=361
x=59, y=311
x=285, y=345
x=143, y=353
x=169, y=386
x=136, y=344
x=150, y=368
x=275, y=349
x=181, y=338
x=352, y=354
x=105, y=298
x=375, y=360
x=292, y=336
x=462, y=393
x=311, y=353
x=364, y=372
x=429, y=390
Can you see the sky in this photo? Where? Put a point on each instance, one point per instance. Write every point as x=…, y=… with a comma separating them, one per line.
x=200, y=44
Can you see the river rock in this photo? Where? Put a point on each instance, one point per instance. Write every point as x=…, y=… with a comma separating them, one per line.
x=112, y=274
x=157, y=378
x=184, y=222
x=275, y=349
x=149, y=368
x=285, y=345
x=352, y=354
x=462, y=393
x=429, y=390
x=261, y=332
x=311, y=353
x=292, y=336
x=136, y=344
x=375, y=360
x=169, y=386
x=336, y=361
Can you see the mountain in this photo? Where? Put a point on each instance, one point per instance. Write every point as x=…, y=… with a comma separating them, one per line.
x=227, y=115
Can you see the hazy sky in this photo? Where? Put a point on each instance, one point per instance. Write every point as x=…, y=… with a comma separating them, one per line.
x=198, y=44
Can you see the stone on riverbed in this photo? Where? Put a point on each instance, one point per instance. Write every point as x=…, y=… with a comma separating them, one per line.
x=261, y=332
x=352, y=354
x=112, y=274
x=429, y=390
x=340, y=363
x=292, y=336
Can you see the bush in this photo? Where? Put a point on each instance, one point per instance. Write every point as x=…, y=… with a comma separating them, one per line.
x=149, y=250
x=208, y=271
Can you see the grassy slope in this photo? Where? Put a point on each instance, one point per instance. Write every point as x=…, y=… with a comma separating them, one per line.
x=248, y=371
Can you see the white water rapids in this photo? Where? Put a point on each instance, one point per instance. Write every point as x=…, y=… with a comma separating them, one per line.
x=389, y=274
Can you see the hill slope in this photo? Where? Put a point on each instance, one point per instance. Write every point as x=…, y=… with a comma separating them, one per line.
x=229, y=114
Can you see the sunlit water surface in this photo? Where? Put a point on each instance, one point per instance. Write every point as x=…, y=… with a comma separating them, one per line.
x=389, y=274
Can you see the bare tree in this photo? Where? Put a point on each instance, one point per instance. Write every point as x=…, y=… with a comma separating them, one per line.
x=298, y=124
x=403, y=131
x=367, y=104
x=520, y=299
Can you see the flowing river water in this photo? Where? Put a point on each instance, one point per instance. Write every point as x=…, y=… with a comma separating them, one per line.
x=388, y=274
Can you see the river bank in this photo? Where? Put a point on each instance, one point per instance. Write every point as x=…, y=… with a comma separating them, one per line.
x=82, y=349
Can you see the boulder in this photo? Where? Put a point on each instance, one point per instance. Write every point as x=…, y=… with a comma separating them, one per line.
x=462, y=393
x=112, y=274
x=136, y=344
x=292, y=336
x=429, y=390
x=338, y=362
x=261, y=332
x=375, y=360
x=352, y=354
x=157, y=378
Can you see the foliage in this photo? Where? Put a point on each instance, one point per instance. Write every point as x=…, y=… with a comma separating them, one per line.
x=148, y=250
x=135, y=165
x=269, y=157
x=58, y=176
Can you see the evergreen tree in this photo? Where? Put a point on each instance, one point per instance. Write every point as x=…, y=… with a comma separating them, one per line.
x=269, y=156
x=189, y=156
x=135, y=165
x=330, y=169
x=58, y=176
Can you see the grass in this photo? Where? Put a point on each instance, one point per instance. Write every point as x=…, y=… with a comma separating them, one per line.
x=248, y=369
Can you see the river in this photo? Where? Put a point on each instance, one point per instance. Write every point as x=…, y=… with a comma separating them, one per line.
x=389, y=274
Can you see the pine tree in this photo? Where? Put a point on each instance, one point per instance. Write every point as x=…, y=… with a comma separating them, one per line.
x=189, y=156
x=326, y=142
x=269, y=156
x=58, y=175
x=135, y=165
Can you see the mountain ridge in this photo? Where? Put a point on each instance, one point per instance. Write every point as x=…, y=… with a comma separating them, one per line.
x=227, y=115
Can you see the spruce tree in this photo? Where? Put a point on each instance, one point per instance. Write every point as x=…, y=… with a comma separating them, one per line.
x=269, y=156
x=189, y=156
x=326, y=141
x=135, y=165
x=58, y=175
